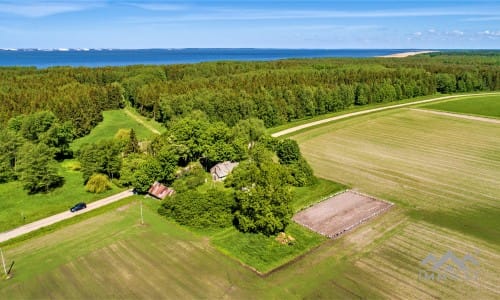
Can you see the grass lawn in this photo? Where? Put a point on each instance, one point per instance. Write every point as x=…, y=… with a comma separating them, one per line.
x=115, y=120
x=262, y=252
x=17, y=207
x=307, y=196
x=488, y=106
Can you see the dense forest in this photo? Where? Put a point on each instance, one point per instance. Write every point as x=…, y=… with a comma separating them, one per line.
x=275, y=92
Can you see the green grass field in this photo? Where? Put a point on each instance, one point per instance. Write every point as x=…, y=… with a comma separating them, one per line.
x=349, y=110
x=265, y=254
x=115, y=120
x=443, y=173
x=18, y=208
x=488, y=106
x=306, y=196
x=112, y=256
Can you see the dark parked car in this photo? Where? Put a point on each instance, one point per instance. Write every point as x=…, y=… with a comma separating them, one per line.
x=78, y=206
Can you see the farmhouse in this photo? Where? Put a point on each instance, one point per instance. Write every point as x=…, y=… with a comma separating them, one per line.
x=221, y=170
x=160, y=191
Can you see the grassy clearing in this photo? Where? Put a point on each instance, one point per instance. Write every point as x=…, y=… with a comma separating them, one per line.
x=17, y=207
x=265, y=253
x=488, y=106
x=115, y=120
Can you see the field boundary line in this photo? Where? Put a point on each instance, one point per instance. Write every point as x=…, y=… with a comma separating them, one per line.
x=363, y=112
x=458, y=115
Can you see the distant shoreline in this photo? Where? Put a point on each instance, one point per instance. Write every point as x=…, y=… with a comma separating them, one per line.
x=406, y=54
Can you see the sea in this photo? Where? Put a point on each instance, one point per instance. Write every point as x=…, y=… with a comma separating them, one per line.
x=44, y=58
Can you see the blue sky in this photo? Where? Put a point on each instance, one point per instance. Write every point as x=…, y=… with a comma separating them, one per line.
x=252, y=24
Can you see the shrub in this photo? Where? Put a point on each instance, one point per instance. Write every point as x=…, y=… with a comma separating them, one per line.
x=98, y=183
x=192, y=208
x=301, y=173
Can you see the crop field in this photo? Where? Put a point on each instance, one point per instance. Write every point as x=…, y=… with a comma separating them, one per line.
x=340, y=213
x=443, y=173
x=112, y=256
x=488, y=106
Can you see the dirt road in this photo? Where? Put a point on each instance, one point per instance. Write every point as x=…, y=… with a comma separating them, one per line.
x=7, y=235
x=363, y=112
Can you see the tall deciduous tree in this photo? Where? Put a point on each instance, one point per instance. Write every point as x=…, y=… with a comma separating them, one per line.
x=103, y=157
x=262, y=194
x=37, y=168
x=10, y=143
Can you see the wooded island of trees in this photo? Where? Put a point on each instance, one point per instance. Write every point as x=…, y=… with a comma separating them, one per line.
x=213, y=112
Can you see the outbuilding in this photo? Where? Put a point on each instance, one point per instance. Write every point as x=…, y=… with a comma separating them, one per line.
x=160, y=191
x=221, y=170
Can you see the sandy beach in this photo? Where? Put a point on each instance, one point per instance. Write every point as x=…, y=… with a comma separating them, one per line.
x=406, y=54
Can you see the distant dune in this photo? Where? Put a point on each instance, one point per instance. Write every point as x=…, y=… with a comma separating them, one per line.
x=406, y=54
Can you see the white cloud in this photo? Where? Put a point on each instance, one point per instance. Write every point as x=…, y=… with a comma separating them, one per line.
x=491, y=33
x=207, y=13
x=418, y=33
x=160, y=6
x=457, y=32
x=483, y=19
x=44, y=8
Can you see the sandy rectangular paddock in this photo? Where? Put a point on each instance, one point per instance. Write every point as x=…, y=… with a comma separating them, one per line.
x=340, y=213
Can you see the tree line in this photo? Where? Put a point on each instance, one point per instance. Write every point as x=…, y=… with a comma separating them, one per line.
x=275, y=92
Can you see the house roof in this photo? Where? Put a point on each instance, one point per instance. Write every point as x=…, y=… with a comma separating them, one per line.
x=223, y=169
x=160, y=191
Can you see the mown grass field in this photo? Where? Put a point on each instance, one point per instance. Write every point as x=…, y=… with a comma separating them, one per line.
x=444, y=175
x=349, y=110
x=112, y=256
x=114, y=120
x=488, y=106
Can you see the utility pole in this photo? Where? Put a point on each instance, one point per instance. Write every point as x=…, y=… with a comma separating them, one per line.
x=3, y=262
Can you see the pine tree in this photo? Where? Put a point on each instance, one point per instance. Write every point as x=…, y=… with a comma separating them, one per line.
x=133, y=144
